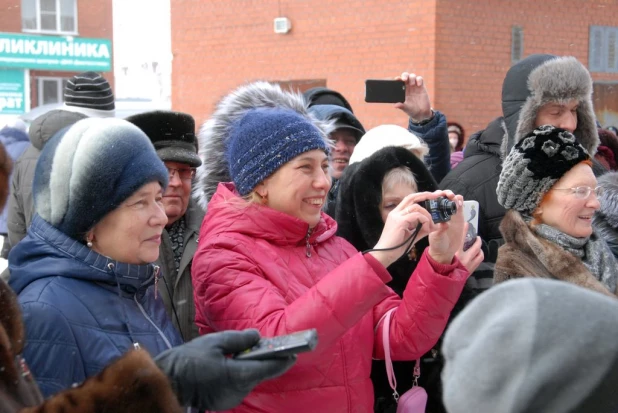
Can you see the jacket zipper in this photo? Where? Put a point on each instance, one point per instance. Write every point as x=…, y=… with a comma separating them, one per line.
x=167, y=343
x=308, y=246
x=156, y=283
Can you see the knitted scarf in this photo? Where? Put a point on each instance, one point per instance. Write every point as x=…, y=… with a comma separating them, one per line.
x=593, y=251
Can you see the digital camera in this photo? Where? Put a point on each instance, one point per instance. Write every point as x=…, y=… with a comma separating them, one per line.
x=441, y=209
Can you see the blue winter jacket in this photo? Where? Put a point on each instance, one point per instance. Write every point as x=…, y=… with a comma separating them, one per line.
x=15, y=142
x=82, y=310
x=435, y=135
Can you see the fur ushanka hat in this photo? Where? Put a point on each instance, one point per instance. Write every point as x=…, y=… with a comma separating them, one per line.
x=542, y=78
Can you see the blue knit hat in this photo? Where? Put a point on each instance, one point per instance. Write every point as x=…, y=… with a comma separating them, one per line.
x=265, y=139
x=86, y=171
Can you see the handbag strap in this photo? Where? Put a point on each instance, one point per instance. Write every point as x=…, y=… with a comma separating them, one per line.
x=392, y=381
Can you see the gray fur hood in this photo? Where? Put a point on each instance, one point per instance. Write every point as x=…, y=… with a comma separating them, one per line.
x=605, y=220
x=214, y=133
x=542, y=78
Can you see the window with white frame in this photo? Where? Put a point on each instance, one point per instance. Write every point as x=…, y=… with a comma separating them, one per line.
x=49, y=16
x=603, y=49
x=51, y=89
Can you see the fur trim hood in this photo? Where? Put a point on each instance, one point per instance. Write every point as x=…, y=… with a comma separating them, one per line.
x=358, y=203
x=539, y=79
x=214, y=133
x=605, y=220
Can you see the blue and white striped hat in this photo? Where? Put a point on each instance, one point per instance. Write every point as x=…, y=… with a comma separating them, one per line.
x=86, y=171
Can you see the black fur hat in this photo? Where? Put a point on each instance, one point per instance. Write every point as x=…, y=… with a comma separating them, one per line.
x=171, y=133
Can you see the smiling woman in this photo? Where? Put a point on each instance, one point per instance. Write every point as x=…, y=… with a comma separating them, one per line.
x=550, y=190
x=268, y=258
x=83, y=271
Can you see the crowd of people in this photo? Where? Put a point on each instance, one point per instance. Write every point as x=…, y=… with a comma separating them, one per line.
x=144, y=255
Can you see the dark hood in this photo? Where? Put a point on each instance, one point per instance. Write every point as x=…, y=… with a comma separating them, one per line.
x=48, y=252
x=342, y=117
x=487, y=141
x=326, y=96
x=358, y=203
x=542, y=78
x=47, y=125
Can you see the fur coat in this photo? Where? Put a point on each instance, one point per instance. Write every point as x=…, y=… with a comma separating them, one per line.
x=131, y=384
x=527, y=255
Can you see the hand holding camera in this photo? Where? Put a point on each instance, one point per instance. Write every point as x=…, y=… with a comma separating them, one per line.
x=429, y=209
x=449, y=235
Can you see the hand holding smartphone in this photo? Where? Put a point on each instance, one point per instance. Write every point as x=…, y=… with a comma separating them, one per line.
x=385, y=91
x=281, y=346
x=471, y=216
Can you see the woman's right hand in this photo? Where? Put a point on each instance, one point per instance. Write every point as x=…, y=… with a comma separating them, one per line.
x=401, y=223
x=472, y=257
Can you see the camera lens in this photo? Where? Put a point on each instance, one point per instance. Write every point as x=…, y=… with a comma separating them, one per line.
x=447, y=208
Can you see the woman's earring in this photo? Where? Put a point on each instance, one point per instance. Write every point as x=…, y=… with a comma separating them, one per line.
x=88, y=243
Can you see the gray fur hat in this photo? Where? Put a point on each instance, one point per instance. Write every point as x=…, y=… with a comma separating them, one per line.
x=542, y=78
x=607, y=215
x=533, y=345
x=535, y=164
x=214, y=134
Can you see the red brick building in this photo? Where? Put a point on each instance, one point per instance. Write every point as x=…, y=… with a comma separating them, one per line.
x=463, y=48
x=57, y=23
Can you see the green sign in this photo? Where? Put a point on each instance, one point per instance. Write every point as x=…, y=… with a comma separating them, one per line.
x=12, y=92
x=55, y=53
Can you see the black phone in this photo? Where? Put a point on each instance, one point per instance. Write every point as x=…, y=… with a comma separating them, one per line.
x=281, y=346
x=385, y=91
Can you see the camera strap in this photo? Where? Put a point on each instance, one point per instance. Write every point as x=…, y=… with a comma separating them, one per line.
x=409, y=240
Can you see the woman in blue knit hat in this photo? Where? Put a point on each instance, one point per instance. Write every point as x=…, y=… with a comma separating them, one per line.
x=87, y=288
x=269, y=259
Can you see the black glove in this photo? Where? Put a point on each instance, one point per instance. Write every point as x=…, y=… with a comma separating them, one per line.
x=203, y=377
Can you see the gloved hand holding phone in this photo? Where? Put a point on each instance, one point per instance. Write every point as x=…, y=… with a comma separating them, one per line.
x=204, y=377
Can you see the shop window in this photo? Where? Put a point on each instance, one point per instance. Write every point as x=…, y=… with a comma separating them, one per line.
x=51, y=90
x=49, y=16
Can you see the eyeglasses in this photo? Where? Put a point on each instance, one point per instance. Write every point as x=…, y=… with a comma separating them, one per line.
x=185, y=174
x=582, y=192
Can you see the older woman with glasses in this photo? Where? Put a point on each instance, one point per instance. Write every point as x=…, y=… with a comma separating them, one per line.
x=550, y=191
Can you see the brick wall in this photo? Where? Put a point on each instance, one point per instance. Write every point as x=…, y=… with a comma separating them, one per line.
x=474, y=47
x=94, y=20
x=461, y=47
x=220, y=44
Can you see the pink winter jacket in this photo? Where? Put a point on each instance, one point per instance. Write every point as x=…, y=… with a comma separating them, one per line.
x=259, y=268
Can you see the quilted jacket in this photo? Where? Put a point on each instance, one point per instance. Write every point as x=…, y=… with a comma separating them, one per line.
x=256, y=267
x=82, y=310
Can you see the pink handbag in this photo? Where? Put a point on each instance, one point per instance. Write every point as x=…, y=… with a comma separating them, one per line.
x=415, y=399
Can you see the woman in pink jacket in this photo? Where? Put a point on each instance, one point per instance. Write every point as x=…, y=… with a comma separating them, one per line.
x=269, y=259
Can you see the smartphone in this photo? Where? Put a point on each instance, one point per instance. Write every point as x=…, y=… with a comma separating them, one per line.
x=281, y=346
x=471, y=215
x=385, y=91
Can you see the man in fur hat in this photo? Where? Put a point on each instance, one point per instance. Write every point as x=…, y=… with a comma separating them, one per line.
x=173, y=136
x=541, y=89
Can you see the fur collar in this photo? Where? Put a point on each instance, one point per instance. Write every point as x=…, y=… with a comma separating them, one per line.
x=214, y=132
x=527, y=255
x=11, y=333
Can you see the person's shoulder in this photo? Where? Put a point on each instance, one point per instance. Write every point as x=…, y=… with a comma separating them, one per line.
x=63, y=294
